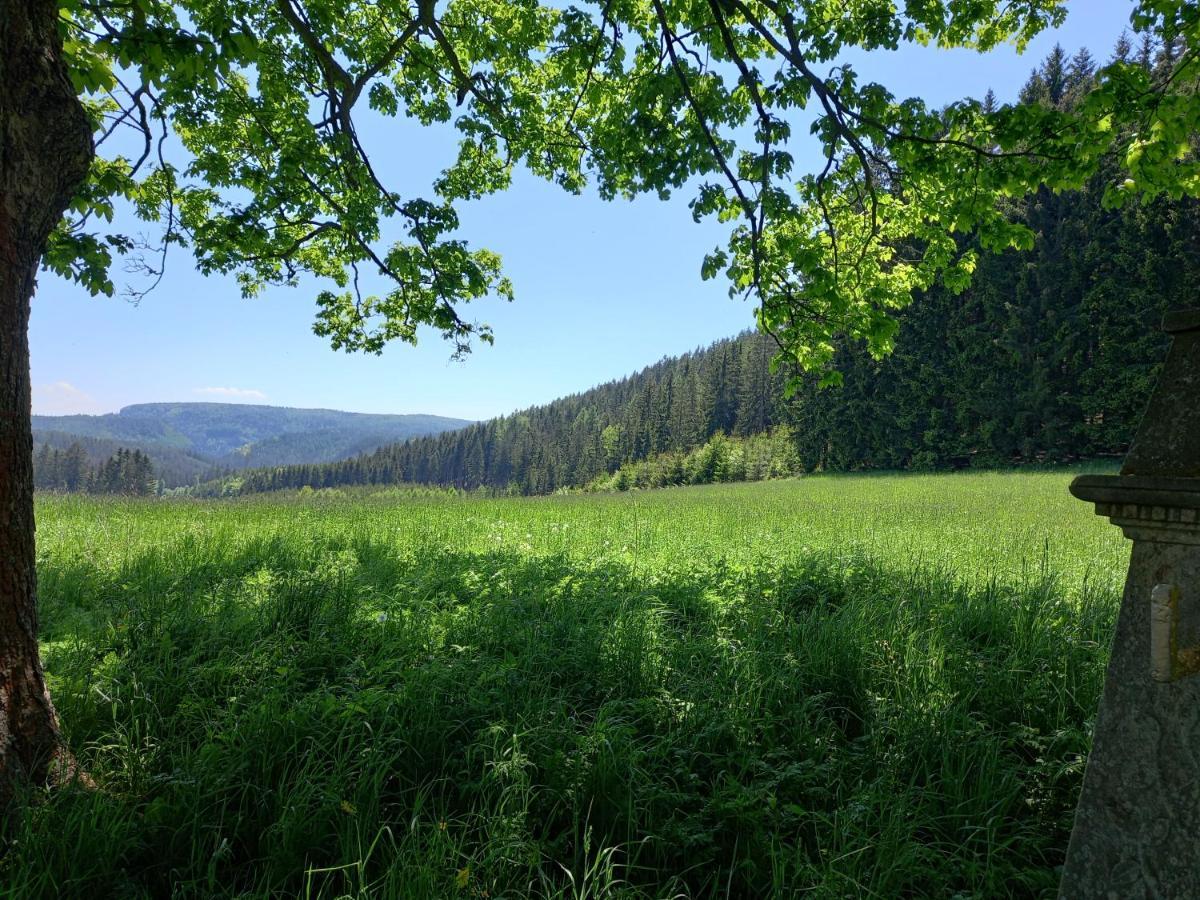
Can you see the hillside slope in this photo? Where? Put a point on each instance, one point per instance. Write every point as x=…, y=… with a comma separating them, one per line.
x=673, y=405
x=189, y=440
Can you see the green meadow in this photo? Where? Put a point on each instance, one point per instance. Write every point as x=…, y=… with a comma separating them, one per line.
x=837, y=686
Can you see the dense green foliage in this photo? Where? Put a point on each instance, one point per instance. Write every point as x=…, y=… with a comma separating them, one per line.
x=647, y=96
x=719, y=460
x=125, y=472
x=1051, y=353
x=870, y=686
x=190, y=441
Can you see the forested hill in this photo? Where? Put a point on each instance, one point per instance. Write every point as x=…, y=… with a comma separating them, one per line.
x=672, y=405
x=1049, y=355
x=187, y=440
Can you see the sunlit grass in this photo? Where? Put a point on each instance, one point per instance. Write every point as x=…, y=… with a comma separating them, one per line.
x=850, y=686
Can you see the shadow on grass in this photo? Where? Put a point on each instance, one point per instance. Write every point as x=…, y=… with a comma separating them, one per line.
x=358, y=718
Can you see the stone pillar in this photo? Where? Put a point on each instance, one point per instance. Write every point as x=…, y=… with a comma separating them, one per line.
x=1137, y=827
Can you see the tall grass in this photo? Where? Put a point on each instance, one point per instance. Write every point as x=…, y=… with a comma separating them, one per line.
x=846, y=686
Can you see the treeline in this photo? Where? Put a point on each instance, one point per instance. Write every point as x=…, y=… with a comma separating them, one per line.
x=125, y=472
x=173, y=467
x=1049, y=356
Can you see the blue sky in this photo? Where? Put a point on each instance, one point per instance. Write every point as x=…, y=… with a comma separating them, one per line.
x=602, y=288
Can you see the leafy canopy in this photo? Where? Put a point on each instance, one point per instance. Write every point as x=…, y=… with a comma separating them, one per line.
x=634, y=96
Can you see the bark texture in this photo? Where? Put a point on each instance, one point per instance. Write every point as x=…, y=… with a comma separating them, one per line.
x=45, y=149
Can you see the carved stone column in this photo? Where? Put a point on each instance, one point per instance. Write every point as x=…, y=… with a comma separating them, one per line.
x=1137, y=827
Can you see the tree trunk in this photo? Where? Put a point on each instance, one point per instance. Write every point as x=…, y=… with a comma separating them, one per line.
x=45, y=150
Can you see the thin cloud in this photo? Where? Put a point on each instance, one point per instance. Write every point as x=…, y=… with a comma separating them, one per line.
x=61, y=398
x=231, y=393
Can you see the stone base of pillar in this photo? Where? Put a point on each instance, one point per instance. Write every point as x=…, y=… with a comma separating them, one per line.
x=1137, y=827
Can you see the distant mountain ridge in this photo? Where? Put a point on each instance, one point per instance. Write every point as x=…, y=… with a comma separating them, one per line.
x=189, y=440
